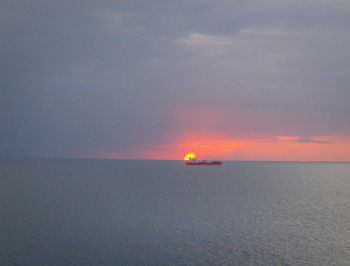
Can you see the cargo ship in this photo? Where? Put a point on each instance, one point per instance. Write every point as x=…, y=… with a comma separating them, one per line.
x=191, y=159
x=202, y=162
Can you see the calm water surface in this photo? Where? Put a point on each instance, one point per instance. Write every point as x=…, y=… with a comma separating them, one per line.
x=69, y=212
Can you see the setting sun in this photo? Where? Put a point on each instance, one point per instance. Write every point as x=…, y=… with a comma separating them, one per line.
x=189, y=156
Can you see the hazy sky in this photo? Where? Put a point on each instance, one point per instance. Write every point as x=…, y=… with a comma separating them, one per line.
x=153, y=79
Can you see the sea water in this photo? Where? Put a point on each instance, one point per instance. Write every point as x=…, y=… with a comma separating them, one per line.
x=129, y=212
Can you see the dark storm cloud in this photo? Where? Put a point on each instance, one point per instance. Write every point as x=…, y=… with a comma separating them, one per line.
x=85, y=76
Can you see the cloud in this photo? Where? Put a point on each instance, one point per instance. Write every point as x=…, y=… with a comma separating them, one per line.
x=198, y=39
x=311, y=140
x=316, y=140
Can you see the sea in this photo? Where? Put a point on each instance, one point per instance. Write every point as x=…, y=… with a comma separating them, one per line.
x=138, y=212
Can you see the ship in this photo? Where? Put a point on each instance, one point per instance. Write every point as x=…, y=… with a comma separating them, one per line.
x=195, y=161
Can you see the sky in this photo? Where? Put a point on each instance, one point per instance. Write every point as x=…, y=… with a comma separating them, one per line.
x=231, y=80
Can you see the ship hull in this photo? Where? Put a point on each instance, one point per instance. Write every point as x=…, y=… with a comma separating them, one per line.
x=204, y=163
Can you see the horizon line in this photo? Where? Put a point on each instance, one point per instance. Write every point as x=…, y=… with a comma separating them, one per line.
x=143, y=159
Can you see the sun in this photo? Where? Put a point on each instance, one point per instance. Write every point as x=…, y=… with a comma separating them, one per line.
x=189, y=156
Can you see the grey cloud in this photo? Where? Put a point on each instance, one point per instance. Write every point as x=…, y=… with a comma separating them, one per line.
x=310, y=140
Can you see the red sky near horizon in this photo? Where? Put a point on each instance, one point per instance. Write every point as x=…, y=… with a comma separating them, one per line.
x=279, y=148
x=217, y=135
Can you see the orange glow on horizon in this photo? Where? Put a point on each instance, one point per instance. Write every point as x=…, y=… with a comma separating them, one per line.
x=205, y=146
x=221, y=147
